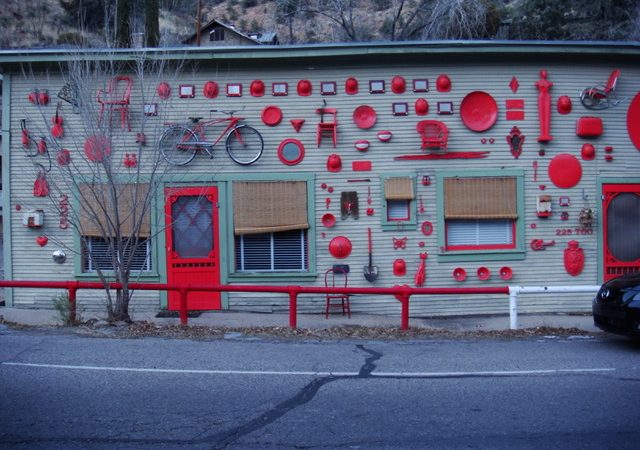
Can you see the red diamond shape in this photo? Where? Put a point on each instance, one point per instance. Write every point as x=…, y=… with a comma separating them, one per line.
x=514, y=85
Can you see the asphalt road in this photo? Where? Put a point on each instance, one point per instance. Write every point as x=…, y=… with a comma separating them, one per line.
x=64, y=391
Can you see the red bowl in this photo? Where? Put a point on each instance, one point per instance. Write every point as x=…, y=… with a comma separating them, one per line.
x=459, y=274
x=364, y=116
x=271, y=115
x=483, y=273
x=506, y=273
x=328, y=220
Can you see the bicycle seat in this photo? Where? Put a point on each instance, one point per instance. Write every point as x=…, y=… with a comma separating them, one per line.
x=195, y=119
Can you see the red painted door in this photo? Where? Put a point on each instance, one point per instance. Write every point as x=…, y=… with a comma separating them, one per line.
x=193, y=251
x=620, y=223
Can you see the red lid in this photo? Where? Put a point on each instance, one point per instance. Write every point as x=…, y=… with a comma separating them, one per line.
x=398, y=85
x=565, y=170
x=364, y=116
x=271, y=115
x=340, y=247
x=304, y=88
x=351, y=86
x=443, y=83
x=210, y=89
x=257, y=88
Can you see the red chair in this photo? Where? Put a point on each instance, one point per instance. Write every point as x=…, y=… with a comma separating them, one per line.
x=116, y=97
x=599, y=96
x=328, y=126
x=337, y=277
x=434, y=134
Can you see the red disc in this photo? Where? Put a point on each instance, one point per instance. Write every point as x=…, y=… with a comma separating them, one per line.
x=633, y=121
x=565, y=171
x=340, y=247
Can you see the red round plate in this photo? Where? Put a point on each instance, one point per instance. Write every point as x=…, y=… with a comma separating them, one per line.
x=565, y=170
x=271, y=115
x=340, y=247
x=478, y=111
x=364, y=116
x=633, y=121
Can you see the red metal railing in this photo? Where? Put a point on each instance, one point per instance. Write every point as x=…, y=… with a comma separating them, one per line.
x=401, y=293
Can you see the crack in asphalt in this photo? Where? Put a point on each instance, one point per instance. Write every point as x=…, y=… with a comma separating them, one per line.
x=305, y=395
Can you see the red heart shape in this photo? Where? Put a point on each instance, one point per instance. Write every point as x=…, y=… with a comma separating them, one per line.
x=42, y=240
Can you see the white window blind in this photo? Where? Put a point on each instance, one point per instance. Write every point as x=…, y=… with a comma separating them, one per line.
x=284, y=251
x=398, y=209
x=480, y=232
x=96, y=254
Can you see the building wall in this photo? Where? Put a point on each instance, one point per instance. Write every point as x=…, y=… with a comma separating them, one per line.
x=493, y=76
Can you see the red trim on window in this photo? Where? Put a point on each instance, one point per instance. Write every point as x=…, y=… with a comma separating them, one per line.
x=481, y=247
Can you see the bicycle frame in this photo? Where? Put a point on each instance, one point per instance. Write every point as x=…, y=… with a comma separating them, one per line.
x=199, y=130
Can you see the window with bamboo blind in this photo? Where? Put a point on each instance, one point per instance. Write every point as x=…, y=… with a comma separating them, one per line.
x=270, y=222
x=480, y=212
x=398, y=193
x=108, y=210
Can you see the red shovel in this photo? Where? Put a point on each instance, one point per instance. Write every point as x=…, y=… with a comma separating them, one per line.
x=370, y=271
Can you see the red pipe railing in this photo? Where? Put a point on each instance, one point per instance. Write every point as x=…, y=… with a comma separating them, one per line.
x=401, y=293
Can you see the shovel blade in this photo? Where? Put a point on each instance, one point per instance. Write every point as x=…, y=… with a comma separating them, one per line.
x=371, y=273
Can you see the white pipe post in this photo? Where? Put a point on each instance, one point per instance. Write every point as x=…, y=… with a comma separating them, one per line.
x=513, y=307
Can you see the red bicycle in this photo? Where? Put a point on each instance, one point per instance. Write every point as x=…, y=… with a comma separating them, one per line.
x=180, y=143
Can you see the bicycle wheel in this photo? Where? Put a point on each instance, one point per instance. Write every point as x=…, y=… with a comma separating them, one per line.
x=244, y=145
x=177, y=145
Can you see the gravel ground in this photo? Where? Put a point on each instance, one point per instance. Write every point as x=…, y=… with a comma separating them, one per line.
x=149, y=329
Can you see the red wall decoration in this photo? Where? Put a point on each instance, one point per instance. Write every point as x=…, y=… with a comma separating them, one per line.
x=573, y=258
x=544, y=107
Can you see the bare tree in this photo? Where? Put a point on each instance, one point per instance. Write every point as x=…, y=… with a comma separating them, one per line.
x=100, y=183
x=461, y=19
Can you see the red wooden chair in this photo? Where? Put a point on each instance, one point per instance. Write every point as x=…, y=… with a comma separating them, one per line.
x=337, y=277
x=434, y=134
x=599, y=96
x=116, y=98
x=328, y=126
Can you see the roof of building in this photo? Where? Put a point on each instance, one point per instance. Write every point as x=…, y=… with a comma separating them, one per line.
x=215, y=23
x=411, y=52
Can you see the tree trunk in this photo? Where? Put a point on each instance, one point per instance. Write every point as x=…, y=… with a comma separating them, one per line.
x=152, y=22
x=123, y=29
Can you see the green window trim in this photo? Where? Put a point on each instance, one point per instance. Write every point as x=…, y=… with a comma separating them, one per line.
x=517, y=253
x=394, y=225
x=228, y=230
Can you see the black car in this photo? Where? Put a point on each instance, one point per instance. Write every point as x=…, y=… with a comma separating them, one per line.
x=616, y=306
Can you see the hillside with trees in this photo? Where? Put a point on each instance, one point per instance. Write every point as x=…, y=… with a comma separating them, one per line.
x=98, y=23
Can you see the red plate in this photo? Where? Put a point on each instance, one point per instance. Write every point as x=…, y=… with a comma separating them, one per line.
x=340, y=247
x=478, y=111
x=364, y=117
x=271, y=115
x=565, y=170
x=633, y=121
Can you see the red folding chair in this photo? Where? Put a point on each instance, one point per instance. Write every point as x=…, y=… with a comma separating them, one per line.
x=337, y=277
x=116, y=97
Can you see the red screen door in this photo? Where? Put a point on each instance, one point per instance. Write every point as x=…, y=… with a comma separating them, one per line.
x=621, y=217
x=193, y=253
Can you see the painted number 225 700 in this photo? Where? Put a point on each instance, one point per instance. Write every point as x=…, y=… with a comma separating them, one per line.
x=573, y=231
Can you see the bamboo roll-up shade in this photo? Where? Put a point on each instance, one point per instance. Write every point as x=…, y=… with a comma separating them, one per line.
x=269, y=206
x=480, y=198
x=398, y=188
x=98, y=206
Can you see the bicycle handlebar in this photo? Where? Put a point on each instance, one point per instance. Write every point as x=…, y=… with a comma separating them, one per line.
x=228, y=112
